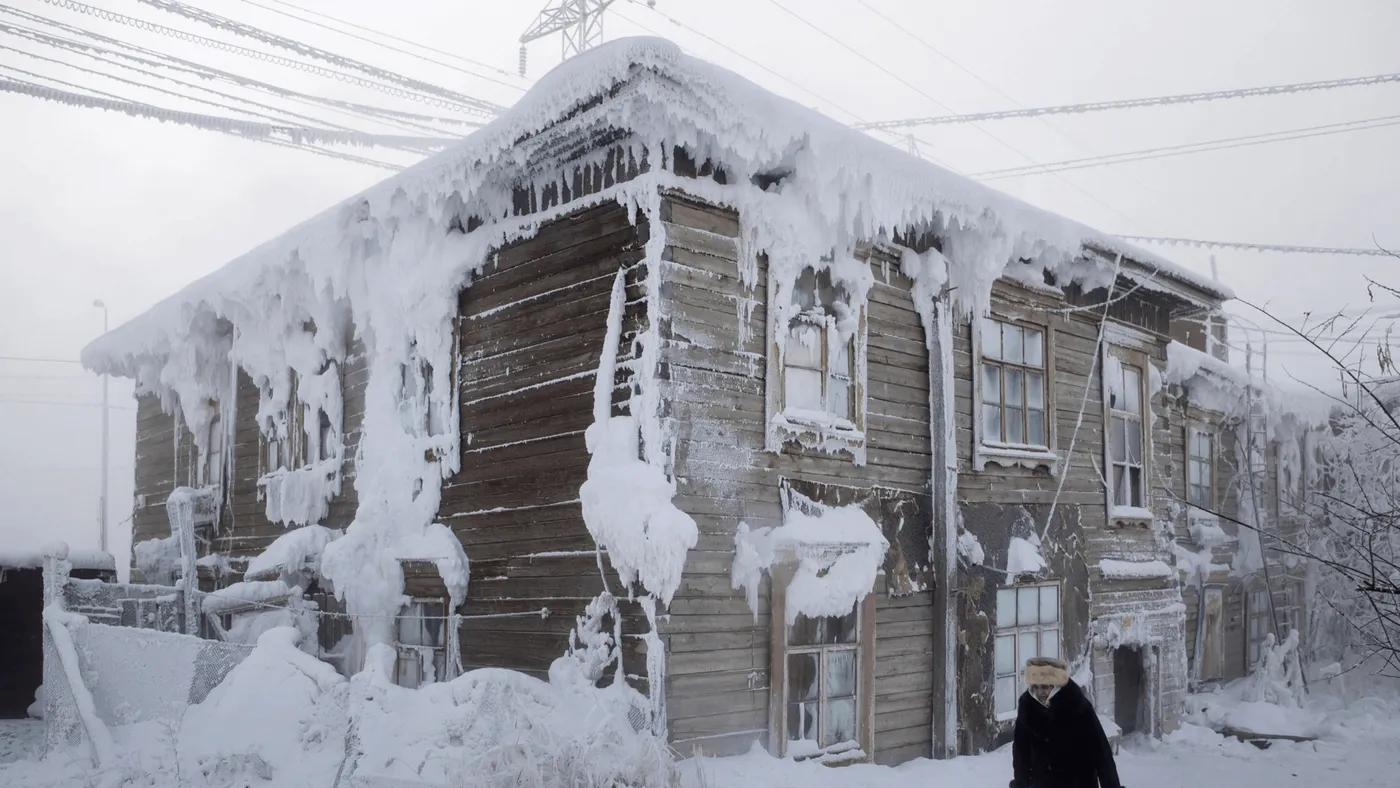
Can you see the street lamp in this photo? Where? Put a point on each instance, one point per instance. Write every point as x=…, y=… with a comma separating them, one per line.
x=102, y=513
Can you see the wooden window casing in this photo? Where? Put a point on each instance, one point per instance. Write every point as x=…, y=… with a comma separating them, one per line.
x=818, y=377
x=1014, y=386
x=826, y=646
x=1028, y=624
x=1200, y=468
x=1129, y=415
x=1212, y=633
x=420, y=638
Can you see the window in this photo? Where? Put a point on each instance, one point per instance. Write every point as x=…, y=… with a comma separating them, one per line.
x=1028, y=625
x=1257, y=623
x=1123, y=389
x=1258, y=439
x=286, y=448
x=1213, y=633
x=421, y=637
x=821, y=709
x=1200, y=473
x=211, y=469
x=819, y=370
x=1013, y=385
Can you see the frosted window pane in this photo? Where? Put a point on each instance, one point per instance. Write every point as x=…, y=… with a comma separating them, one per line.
x=1134, y=434
x=840, y=721
x=1034, y=348
x=1035, y=428
x=1006, y=607
x=1050, y=643
x=1035, y=390
x=1120, y=485
x=1011, y=343
x=433, y=621
x=410, y=627
x=1194, y=472
x=802, y=721
x=1026, y=647
x=991, y=339
x=1135, y=484
x=1117, y=441
x=1006, y=695
x=1049, y=604
x=803, y=388
x=841, y=629
x=802, y=677
x=1015, y=386
x=840, y=674
x=838, y=393
x=1028, y=607
x=841, y=360
x=1015, y=425
x=804, y=346
x=991, y=383
x=1132, y=390
x=991, y=423
x=806, y=631
x=1006, y=655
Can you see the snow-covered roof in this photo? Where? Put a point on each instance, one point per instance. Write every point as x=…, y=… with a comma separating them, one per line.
x=659, y=95
x=11, y=558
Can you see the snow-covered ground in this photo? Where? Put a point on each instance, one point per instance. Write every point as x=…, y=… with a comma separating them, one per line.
x=20, y=739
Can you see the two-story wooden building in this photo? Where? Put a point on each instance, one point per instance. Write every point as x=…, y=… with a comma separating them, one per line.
x=830, y=439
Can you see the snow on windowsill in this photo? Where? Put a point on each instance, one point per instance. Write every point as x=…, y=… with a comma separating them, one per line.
x=1115, y=569
x=1135, y=514
x=821, y=431
x=1031, y=457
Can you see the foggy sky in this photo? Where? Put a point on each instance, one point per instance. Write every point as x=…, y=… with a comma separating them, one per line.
x=100, y=205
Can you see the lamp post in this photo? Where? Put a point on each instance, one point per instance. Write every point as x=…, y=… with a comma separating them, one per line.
x=102, y=513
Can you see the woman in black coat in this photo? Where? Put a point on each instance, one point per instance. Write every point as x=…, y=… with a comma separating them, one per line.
x=1059, y=742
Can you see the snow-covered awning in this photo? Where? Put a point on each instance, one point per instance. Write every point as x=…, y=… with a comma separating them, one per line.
x=870, y=187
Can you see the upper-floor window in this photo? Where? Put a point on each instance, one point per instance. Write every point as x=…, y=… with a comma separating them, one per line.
x=284, y=436
x=1013, y=385
x=1028, y=625
x=1126, y=433
x=211, y=466
x=819, y=353
x=1200, y=468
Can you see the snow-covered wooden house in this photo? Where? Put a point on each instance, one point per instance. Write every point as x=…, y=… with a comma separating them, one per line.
x=693, y=377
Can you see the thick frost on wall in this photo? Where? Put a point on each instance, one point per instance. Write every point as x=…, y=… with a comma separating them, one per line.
x=388, y=264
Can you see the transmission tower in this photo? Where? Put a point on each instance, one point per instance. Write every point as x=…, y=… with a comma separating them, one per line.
x=581, y=22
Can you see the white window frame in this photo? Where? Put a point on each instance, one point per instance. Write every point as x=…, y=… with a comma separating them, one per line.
x=1138, y=362
x=864, y=649
x=786, y=423
x=408, y=670
x=1195, y=460
x=1015, y=630
x=989, y=448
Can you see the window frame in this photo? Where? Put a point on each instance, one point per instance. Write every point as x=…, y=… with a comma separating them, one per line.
x=864, y=647
x=1254, y=647
x=406, y=653
x=1001, y=452
x=1208, y=592
x=1193, y=432
x=792, y=426
x=1015, y=631
x=1139, y=362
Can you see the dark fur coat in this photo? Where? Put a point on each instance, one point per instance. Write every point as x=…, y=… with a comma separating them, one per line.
x=1061, y=745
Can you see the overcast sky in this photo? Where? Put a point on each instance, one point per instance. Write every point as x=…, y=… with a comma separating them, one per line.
x=100, y=205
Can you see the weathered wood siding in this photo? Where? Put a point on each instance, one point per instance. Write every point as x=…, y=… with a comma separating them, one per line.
x=714, y=328
x=531, y=327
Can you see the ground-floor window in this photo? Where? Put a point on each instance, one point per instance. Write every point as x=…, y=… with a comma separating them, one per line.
x=1212, y=633
x=1257, y=626
x=421, y=639
x=1028, y=625
x=823, y=676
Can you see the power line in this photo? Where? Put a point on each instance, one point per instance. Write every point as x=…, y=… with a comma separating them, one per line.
x=41, y=360
x=1188, y=148
x=389, y=47
x=1100, y=106
x=8, y=400
x=1284, y=248
x=266, y=57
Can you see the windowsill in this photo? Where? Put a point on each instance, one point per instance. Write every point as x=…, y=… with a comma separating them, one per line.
x=1133, y=515
x=841, y=752
x=818, y=430
x=1031, y=457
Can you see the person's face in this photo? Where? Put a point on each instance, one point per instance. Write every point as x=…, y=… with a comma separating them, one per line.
x=1041, y=692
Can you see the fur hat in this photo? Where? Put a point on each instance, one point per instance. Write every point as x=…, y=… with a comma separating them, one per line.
x=1044, y=670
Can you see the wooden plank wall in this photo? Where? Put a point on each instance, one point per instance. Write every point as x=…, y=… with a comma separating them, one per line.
x=531, y=331
x=717, y=690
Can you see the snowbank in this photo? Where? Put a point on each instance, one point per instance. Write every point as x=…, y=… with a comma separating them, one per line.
x=838, y=551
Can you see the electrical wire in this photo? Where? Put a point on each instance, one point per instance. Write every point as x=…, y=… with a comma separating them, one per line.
x=1251, y=140
x=41, y=360
x=234, y=49
x=1284, y=248
x=1101, y=106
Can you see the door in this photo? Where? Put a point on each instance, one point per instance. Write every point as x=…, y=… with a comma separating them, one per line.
x=1127, y=689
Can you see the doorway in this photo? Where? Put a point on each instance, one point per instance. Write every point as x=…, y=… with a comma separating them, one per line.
x=1128, y=684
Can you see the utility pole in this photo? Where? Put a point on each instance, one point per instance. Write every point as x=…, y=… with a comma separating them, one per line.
x=581, y=22
x=102, y=513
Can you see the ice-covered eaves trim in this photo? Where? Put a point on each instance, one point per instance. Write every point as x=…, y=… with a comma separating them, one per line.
x=838, y=552
x=1221, y=387
x=295, y=551
x=11, y=558
x=1115, y=569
